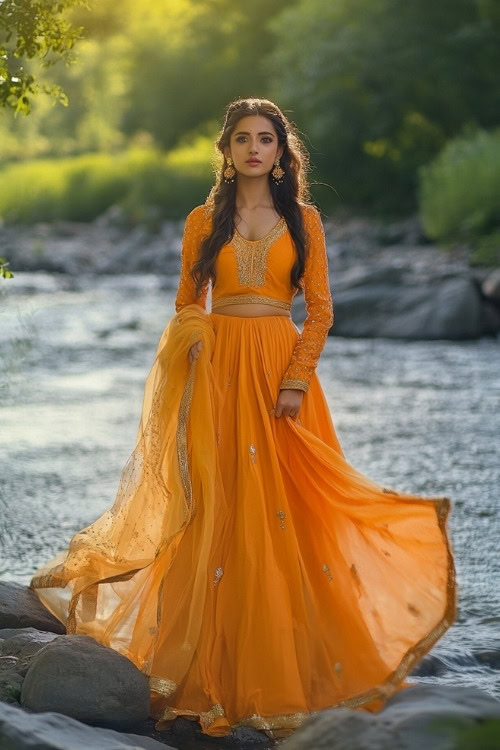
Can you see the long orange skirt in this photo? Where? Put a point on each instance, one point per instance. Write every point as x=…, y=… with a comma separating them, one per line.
x=246, y=567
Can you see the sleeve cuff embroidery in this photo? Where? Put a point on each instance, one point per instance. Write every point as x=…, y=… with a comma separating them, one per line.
x=300, y=385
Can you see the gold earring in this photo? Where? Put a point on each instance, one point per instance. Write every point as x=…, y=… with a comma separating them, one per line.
x=277, y=172
x=230, y=171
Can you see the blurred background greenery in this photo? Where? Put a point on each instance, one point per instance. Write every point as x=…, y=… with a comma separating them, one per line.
x=397, y=102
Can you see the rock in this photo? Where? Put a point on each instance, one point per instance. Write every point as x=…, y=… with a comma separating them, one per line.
x=20, y=607
x=387, y=302
x=490, y=318
x=408, y=231
x=406, y=722
x=79, y=677
x=10, y=680
x=491, y=286
x=23, y=645
x=20, y=730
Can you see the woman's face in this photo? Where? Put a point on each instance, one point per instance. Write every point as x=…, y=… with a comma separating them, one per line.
x=254, y=137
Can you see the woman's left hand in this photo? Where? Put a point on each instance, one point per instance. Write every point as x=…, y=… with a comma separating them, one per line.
x=289, y=402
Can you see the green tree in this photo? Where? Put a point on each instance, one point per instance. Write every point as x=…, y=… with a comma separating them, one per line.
x=380, y=86
x=33, y=30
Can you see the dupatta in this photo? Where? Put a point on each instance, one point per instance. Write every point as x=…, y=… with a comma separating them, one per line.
x=110, y=582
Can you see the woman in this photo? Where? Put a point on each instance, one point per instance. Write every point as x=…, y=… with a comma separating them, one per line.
x=246, y=567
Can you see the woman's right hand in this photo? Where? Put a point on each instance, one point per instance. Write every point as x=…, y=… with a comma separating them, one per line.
x=194, y=352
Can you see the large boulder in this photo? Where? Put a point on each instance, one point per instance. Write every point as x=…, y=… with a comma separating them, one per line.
x=20, y=730
x=422, y=716
x=391, y=302
x=79, y=677
x=20, y=607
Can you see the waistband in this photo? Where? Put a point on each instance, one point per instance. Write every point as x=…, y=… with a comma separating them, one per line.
x=258, y=299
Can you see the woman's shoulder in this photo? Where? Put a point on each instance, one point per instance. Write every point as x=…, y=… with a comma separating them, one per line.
x=201, y=213
x=309, y=211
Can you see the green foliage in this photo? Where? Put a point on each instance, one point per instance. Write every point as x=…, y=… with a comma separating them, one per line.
x=380, y=85
x=459, y=194
x=486, y=250
x=485, y=735
x=33, y=30
x=376, y=87
x=4, y=271
x=81, y=188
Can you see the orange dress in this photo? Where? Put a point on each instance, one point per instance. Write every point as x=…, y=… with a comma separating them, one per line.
x=246, y=567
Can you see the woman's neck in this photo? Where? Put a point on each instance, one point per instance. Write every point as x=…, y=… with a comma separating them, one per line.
x=253, y=193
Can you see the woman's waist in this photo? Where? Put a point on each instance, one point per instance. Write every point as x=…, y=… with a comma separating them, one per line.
x=251, y=305
x=251, y=310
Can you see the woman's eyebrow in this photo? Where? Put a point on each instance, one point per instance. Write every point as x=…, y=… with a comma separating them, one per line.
x=245, y=132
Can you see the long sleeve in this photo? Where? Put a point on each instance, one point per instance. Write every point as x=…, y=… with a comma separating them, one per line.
x=191, y=239
x=319, y=308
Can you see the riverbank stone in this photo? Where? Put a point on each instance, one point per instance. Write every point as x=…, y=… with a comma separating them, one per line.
x=79, y=677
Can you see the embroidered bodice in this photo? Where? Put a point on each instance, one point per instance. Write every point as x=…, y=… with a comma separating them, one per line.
x=258, y=271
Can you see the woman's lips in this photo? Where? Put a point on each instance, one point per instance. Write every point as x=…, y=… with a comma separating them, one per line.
x=254, y=162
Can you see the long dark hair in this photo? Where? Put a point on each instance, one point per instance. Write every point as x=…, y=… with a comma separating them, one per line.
x=288, y=196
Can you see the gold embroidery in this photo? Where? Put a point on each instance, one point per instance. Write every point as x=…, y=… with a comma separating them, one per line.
x=250, y=298
x=326, y=569
x=300, y=385
x=253, y=451
x=71, y=619
x=251, y=255
x=181, y=436
x=205, y=718
x=281, y=514
x=318, y=302
x=162, y=685
x=195, y=228
x=355, y=573
x=208, y=717
x=219, y=572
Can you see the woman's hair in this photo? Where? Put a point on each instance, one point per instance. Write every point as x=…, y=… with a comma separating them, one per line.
x=287, y=196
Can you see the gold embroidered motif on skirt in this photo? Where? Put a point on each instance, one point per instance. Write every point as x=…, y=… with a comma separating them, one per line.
x=219, y=572
x=281, y=514
x=253, y=452
x=326, y=569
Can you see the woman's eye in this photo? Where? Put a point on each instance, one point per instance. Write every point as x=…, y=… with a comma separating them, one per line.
x=265, y=138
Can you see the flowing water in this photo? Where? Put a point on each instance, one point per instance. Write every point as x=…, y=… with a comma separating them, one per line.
x=422, y=417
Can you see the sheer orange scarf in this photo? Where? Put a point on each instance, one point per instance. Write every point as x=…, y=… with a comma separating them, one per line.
x=116, y=566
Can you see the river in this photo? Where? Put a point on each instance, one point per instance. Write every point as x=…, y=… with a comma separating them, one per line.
x=419, y=416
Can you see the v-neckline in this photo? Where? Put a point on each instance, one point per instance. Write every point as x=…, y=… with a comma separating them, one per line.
x=253, y=242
